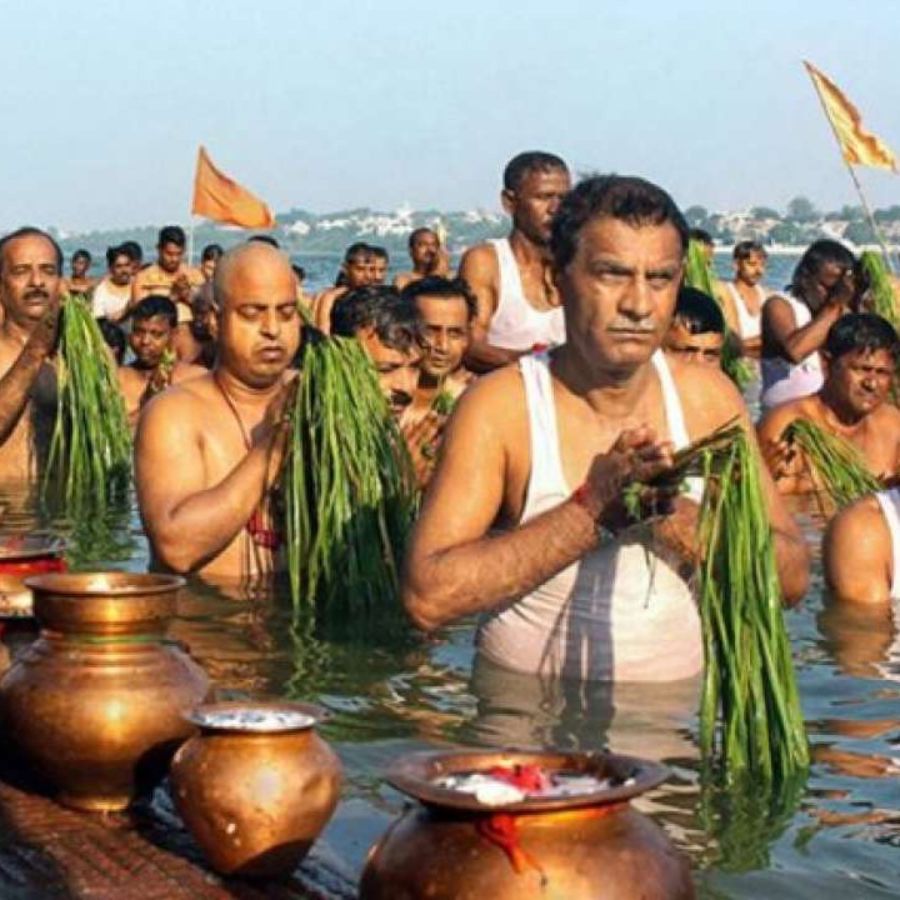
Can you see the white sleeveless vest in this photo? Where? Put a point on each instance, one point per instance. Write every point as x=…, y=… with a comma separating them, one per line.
x=516, y=324
x=619, y=613
x=782, y=380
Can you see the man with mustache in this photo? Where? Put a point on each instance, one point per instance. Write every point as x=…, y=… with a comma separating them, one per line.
x=518, y=303
x=209, y=449
x=859, y=359
x=390, y=330
x=30, y=280
x=524, y=521
x=427, y=255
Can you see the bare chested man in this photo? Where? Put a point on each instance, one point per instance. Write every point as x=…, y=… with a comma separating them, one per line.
x=155, y=367
x=170, y=276
x=356, y=272
x=859, y=359
x=427, y=255
x=544, y=449
x=30, y=280
x=861, y=555
x=518, y=303
x=389, y=328
x=79, y=282
x=446, y=309
x=208, y=450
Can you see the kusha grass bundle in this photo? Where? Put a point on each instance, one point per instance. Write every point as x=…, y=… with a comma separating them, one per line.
x=698, y=275
x=347, y=484
x=881, y=292
x=834, y=463
x=751, y=722
x=89, y=462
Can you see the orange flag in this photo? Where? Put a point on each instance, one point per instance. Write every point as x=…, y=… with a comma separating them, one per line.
x=859, y=147
x=219, y=198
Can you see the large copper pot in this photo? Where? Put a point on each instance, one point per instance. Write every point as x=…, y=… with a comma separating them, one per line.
x=590, y=845
x=255, y=798
x=97, y=703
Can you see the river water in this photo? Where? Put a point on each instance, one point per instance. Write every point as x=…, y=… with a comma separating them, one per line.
x=836, y=836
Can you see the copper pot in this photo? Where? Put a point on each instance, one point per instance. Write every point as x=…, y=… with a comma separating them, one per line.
x=97, y=703
x=255, y=798
x=584, y=846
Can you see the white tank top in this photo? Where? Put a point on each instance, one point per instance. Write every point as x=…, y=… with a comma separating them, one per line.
x=782, y=380
x=619, y=613
x=749, y=326
x=889, y=501
x=516, y=324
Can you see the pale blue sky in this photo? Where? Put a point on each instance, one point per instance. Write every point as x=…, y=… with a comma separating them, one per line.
x=328, y=105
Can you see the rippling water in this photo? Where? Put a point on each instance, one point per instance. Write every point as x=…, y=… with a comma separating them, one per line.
x=839, y=836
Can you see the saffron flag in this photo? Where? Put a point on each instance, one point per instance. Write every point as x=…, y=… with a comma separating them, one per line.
x=219, y=198
x=858, y=146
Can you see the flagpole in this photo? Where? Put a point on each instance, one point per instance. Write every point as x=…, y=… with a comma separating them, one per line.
x=862, y=197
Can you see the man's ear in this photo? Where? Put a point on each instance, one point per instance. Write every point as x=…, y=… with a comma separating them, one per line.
x=508, y=200
x=827, y=362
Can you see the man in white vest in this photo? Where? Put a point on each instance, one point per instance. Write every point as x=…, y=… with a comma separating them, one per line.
x=518, y=304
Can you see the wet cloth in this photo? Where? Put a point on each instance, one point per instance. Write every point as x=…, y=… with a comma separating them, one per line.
x=783, y=380
x=749, y=325
x=516, y=324
x=621, y=612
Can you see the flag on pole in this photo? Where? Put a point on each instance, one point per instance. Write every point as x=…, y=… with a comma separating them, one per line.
x=858, y=146
x=219, y=198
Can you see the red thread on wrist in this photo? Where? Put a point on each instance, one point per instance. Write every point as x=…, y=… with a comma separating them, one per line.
x=582, y=496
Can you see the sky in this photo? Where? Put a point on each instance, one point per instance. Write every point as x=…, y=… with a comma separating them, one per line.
x=328, y=105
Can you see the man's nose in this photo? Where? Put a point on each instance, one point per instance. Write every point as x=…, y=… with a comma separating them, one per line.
x=270, y=325
x=636, y=301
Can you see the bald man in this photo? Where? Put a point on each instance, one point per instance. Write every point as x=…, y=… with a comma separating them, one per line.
x=208, y=450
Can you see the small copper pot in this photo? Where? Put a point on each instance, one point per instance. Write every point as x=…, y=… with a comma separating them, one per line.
x=255, y=799
x=96, y=704
x=573, y=848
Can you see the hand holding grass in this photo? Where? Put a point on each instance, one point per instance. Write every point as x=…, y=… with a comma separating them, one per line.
x=637, y=456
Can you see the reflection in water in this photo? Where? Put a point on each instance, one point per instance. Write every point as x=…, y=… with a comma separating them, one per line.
x=390, y=691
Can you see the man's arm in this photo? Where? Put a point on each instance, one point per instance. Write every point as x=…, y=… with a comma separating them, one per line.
x=796, y=343
x=857, y=555
x=15, y=385
x=479, y=269
x=453, y=568
x=187, y=523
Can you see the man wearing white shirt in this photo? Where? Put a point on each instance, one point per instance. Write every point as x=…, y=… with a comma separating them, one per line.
x=112, y=295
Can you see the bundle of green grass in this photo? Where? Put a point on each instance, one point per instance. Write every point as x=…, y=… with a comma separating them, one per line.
x=751, y=722
x=89, y=462
x=347, y=486
x=835, y=464
x=698, y=275
x=881, y=292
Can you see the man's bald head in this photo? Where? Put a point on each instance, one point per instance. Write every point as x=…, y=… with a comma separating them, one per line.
x=254, y=263
x=259, y=324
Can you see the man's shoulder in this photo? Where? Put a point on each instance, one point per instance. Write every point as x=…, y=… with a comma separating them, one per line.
x=497, y=396
x=185, y=399
x=480, y=257
x=187, y=371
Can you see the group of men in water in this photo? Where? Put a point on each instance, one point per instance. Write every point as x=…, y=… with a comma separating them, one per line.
x=575, y=363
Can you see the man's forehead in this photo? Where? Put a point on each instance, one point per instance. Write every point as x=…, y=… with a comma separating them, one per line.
x=443, y=310
x=539, y=179
x=30, y=246
x=616, y=239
